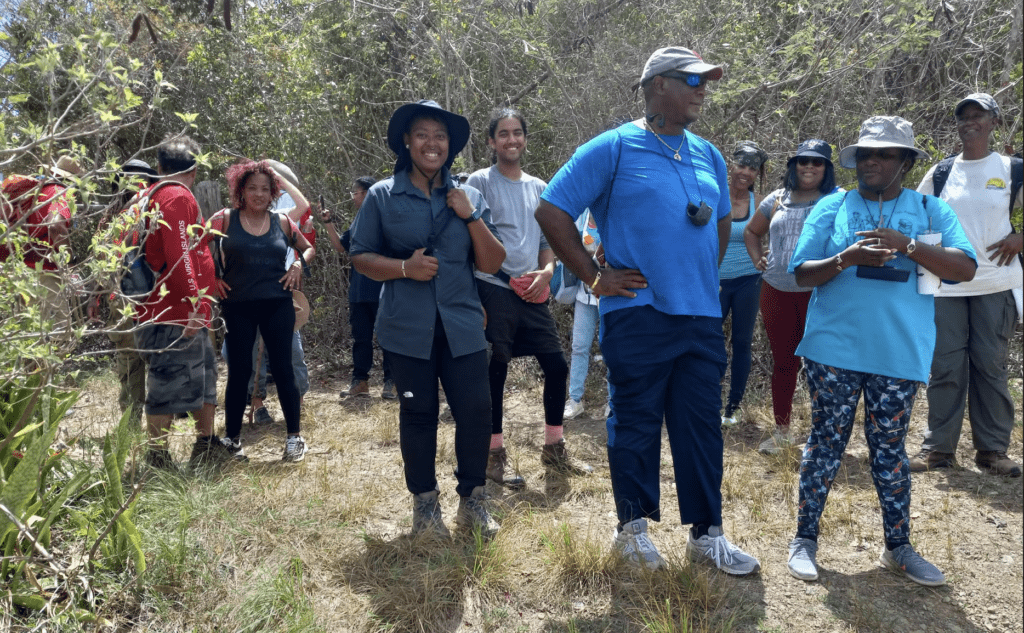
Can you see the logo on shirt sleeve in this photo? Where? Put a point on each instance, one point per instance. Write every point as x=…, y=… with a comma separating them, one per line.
x=995, y=183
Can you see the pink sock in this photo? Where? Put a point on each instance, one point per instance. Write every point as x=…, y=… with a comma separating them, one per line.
x=497, y=440
x=552, y=434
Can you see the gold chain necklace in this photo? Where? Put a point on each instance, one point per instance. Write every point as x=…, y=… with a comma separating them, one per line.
x=675, y=152
x=248, y=226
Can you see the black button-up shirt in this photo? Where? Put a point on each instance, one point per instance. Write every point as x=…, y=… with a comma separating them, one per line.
x=396, y=219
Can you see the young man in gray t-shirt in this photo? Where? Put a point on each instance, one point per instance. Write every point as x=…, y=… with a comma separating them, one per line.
x=515, y=299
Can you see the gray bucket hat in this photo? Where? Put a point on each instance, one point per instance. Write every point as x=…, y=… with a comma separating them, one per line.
x=678, y=58
x=982, y=99
x=881, y=131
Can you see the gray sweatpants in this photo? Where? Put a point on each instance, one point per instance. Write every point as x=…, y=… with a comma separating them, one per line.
x=972, y=337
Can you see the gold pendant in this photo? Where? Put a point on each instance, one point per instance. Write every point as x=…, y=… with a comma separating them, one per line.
x=677, y=156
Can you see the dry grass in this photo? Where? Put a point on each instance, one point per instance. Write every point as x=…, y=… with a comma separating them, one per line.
x=323, y=545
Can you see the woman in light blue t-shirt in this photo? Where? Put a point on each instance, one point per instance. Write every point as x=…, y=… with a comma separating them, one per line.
x=871, y=331
x=739, y=281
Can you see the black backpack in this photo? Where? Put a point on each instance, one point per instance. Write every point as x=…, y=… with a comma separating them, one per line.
x=139, y=278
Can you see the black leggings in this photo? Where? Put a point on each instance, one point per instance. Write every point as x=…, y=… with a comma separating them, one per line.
x=556, y=371
x=275, y=319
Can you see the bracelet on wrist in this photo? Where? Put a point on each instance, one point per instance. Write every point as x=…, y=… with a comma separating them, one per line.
x=403, y=269
x=839, y=262
x=596, y=280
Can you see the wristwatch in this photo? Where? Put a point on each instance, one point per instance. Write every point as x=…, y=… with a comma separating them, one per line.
x=911, y=247
x=477, y=214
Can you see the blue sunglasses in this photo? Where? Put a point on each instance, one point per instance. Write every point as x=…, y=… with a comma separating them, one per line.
x=690, y=79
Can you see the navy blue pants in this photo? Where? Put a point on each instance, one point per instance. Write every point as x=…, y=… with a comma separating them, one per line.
x=663, y=367
x=361, y=317
x=741, y=296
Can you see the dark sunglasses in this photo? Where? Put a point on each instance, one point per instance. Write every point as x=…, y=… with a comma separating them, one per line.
x=878, y=154
x=691, y=80
x=803, y=161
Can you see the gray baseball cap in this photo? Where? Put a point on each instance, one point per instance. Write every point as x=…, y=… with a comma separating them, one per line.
x=984, y=100
x=677, y=58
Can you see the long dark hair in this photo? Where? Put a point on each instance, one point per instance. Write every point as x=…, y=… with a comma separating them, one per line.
x=496, y=117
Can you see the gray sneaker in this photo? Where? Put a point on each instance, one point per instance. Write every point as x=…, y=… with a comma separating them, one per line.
x=473, y=513
x=294, y=449
x=426, y=515
x=636, y=547
x=714, y=549
x=802, y=559
x=904, y=560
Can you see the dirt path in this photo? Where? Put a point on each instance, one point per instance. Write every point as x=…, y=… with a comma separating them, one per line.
x=344, y=514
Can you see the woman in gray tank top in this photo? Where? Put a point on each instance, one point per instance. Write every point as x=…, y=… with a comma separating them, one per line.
x=810, y=175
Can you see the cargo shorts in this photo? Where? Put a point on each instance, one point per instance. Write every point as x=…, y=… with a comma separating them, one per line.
x=182, y=370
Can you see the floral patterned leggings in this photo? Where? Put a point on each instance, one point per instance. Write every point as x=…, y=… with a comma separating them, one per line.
x=888, y=401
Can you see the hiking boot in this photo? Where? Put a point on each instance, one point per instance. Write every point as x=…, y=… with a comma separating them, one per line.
x=160, y=459
x=234, y=448
x=357, y=388
x=573, y=408
x=636, y=547
x=294, y=449
x=714, y=549
x=557, y=457
x=497, y=462
x=209, y=451
x=778, y=442
x=426, y=515
x=904, y=560
x=388, y=391
x=997, y=463
x=262, y=416
x=930, y=460
x=473, y=513
x=803, y=553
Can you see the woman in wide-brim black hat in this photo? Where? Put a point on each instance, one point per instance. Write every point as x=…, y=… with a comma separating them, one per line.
x=422, y=234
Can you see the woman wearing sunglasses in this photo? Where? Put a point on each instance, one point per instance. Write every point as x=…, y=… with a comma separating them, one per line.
x=810, y=175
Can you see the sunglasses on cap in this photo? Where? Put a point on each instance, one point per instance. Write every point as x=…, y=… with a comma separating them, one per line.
x=690, y=79
x=803, y=161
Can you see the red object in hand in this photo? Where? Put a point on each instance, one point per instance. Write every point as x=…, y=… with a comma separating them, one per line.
x=521, y=284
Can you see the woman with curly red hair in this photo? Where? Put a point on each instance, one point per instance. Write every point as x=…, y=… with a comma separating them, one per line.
x=256, y=288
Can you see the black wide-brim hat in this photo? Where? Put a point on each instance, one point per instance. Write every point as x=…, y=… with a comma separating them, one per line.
x=458, y=130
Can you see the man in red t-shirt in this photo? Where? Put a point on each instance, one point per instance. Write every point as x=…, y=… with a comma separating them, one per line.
x=175, y=318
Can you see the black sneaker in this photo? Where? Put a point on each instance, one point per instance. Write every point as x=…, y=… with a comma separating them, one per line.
x=160, y=459
x=388, y=392
x=209, y=451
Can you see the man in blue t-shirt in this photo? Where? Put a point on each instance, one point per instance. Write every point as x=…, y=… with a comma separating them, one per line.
x=660, y=197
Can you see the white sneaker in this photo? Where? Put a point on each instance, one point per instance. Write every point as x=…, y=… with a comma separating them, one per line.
x=572, y=409
x=779, y=441
x=803, y=559
x=732, y=420
x=636, y=547
x=294, y=449
x=714, y=549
